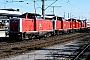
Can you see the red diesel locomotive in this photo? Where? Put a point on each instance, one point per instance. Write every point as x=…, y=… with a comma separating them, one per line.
x=30, y=25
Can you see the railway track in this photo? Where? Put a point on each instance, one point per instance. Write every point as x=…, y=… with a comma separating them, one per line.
x=4, y=45
x=82, y=52
x=82, y=55
x=76, y=51
x=19, y=47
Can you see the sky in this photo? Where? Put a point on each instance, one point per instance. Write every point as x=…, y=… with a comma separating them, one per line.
x=78, y=9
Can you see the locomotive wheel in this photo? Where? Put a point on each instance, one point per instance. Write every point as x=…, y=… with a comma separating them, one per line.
x=54, y=33
x=49, y=34
x=67, y=32
x=58, y=33
x=33, y=37
x=30, y=36
x=45, y=35
x=26, y=37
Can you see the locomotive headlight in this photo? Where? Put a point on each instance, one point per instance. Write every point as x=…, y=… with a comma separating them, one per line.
x=19, y=34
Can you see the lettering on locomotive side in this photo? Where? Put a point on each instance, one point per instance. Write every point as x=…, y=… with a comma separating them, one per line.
x=40, y=25
x=73, y=24
x=64, y=24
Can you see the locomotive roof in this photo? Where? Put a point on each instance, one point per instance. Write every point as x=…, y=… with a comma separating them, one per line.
x=79, y=20
x=9, y=9
x=9, y=15
x=33, y=14
x=52, y=16
x=9, y=12
x=84, y=20
x=72, y=19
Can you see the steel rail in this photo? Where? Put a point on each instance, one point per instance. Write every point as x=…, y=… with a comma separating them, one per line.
x=81, y=52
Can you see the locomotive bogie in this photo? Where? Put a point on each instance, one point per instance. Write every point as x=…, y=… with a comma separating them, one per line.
x=30, y=35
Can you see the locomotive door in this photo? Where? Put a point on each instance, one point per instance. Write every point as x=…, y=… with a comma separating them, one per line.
x=14, y=25
x=54, y=24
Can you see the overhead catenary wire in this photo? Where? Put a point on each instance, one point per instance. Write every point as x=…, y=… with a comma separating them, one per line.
x=51, y=4
x=82, y=4
x=37, y=5
x=74, y=6
x=77, y=8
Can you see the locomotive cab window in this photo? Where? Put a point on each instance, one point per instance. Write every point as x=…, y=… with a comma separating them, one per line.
x=31, y=16
x=58, y=18
x=38, y=17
